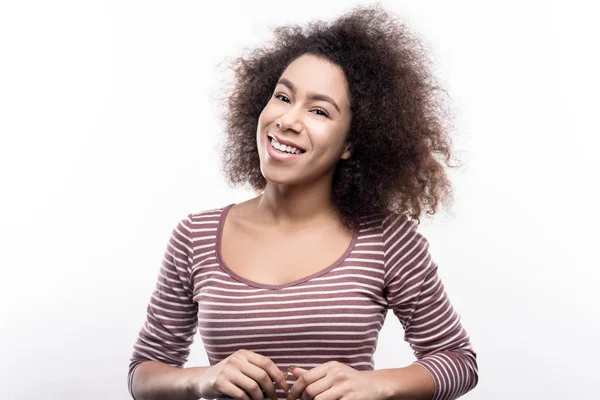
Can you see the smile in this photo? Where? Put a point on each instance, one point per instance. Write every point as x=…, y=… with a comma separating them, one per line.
x=284, y=148
x=280, y=152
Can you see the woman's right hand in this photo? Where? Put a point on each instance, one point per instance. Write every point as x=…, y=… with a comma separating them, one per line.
x=241, y=376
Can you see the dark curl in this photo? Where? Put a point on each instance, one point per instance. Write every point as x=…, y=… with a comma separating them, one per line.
x=398, y=121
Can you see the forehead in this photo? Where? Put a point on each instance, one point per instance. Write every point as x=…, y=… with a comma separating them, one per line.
x=311, y=74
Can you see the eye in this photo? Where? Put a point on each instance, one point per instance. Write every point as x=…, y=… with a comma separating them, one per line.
x=323, y=112
x=285, y=99
x=279, y=96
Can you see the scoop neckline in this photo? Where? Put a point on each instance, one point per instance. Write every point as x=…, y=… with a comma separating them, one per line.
x=260, y=285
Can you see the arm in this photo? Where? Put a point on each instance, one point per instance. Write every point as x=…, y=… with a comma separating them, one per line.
x=163, y=343
x=409, y=383
x=155, y=380
x=417, y=297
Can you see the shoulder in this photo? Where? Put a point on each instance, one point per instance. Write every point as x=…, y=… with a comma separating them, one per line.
x=394, y=225
x=400, y=234
x=199, y=223
x=406, y=250
x=212, y=215
x=207, y=214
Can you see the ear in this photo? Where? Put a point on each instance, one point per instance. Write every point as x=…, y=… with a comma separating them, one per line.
x=346, y=154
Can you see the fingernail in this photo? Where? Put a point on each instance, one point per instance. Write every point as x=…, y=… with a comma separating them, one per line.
x=291, y=368
x=284, y=385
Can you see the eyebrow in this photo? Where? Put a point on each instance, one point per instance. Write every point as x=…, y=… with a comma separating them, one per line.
x=312, y=96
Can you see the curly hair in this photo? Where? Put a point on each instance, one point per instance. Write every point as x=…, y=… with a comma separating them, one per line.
x=398, y=133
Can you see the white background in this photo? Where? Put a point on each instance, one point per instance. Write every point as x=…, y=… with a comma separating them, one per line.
x=109, y=131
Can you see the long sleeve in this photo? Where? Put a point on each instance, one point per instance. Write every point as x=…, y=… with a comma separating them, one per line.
x=171, y=316
x=417, y=297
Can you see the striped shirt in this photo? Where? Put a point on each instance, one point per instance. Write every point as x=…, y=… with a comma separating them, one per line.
x=333, y=314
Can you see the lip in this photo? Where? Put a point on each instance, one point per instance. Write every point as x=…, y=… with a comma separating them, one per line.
x=283, y=141
x=277, y=155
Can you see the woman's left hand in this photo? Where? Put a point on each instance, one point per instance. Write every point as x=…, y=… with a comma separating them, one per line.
x=332, y=381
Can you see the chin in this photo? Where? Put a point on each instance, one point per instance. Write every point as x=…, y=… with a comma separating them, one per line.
x=278, y=179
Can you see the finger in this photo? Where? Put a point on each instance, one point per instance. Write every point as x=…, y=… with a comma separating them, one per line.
x=296, y=371
x=261, y=380
x=230, y=389
x=316, y=388
x=305, y=378
x=248, y=385
x=274, y=373
x=333, y=393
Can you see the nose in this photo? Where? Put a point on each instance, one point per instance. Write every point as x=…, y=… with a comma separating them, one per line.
x=290, y=120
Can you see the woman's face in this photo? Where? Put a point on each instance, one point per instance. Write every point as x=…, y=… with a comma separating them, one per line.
x=309, y=111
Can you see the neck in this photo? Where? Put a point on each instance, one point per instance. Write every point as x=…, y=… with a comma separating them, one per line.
x=294, y=206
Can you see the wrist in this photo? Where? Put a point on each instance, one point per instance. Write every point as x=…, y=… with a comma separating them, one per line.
x=190, y=382
x=383, y=391
x=409, y=383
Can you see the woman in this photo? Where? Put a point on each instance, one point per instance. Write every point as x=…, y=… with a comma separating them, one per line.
x=337, y=127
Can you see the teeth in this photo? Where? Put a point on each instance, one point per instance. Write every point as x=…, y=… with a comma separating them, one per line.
x=283, y=147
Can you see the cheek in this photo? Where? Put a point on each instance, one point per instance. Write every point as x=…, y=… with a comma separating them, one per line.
x=263, y=120
x=327, y=141
x=261, y=117
x=268, y=111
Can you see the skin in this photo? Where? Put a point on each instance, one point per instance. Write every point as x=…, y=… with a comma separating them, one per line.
x=299, y=192
x=295, y=210
x=297, y=198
